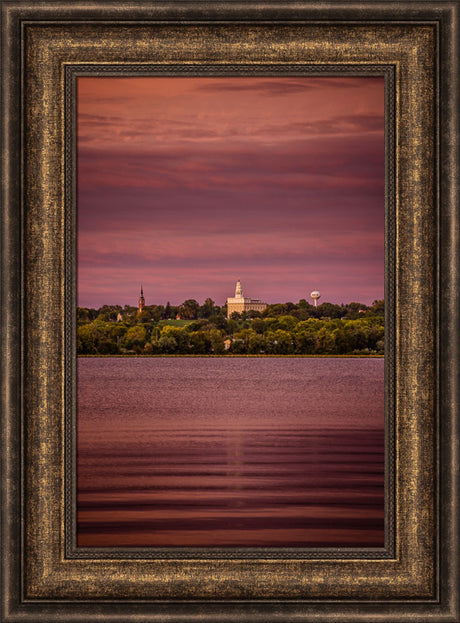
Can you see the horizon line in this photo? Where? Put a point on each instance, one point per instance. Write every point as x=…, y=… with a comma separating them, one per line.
x=276, y=303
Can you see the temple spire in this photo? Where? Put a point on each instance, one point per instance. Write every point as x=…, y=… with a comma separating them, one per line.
x=238, y=290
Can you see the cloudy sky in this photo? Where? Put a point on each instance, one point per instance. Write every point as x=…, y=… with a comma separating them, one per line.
x=187, y=184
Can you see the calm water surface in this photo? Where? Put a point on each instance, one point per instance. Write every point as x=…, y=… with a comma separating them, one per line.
x=230, y=452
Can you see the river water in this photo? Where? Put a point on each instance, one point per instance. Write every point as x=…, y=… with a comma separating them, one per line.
x=236, y=451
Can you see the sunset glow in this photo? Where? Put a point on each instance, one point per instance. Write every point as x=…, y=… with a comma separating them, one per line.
x=187, y=184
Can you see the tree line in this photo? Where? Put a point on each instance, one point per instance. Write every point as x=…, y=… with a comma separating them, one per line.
x=281, y=329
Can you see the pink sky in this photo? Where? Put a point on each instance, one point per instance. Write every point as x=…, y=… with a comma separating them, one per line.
x=187, y=184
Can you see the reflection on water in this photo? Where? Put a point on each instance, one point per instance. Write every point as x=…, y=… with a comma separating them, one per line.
x=258, y=471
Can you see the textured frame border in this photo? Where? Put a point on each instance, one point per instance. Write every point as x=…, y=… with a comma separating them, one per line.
x=71, y=74
x=421, y=582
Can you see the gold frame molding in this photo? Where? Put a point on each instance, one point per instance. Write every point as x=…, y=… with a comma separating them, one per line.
x=42, y=43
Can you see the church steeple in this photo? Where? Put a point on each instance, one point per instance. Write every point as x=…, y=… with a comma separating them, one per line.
x=141, y=301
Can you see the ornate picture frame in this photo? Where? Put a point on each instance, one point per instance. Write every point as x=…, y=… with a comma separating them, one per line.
x=44, y=47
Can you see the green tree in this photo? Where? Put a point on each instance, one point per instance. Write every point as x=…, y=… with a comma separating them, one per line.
x=207, y=308
x=325, y=342
x=217, y=341
x=218, y=320
x=146, y=315
x=99, y=337
x=231, y=326
x=329, y=310
x=82, y=315
x=107, y=347
x=305, y=342
x=86, y=340
x=166, y=344
x=238, y=346
x=200, y=342
x=168, y=311
x=189, y=309
x=256, y=343
x=283, y=342
x=344, y=340
x=108, y=312
x=377, y=308
x=243, y=341
x=375, y=335
x=135, y=338
x=278, y=309
x=258, y=325
x=270, y=324
x=286, y=323
x=180, y=336
x=197, y=325
x=354, y=310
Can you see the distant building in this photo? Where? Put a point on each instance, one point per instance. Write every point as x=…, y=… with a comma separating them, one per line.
x=240, y=303
x=141, y=302
x=119, y=317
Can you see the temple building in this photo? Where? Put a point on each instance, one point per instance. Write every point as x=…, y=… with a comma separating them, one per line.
x=240, y=303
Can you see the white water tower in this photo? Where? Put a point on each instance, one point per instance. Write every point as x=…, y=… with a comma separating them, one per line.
x=315, y=295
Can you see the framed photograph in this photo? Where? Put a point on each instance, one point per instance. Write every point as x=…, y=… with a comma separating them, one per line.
x=227, y=421
x=230, y=311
